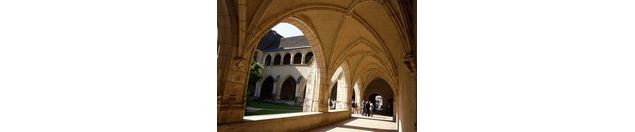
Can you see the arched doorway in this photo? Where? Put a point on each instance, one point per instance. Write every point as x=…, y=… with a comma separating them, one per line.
x=287, y=91
x=378, y=103
x=267, y=88
x=381, y=95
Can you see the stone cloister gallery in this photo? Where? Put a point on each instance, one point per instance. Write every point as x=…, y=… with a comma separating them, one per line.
x=360, y=49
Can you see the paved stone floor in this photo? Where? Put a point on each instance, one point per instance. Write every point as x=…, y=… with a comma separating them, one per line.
x=359, y=123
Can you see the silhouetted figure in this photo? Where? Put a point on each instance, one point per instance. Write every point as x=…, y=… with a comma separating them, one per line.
x=354, y=105
x=367, y=108
x=363, y=107
x=372, y=108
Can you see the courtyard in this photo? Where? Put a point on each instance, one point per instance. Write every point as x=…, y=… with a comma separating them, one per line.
x=258, y=107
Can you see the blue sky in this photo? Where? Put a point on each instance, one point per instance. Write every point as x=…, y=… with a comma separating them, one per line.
x=287, y=30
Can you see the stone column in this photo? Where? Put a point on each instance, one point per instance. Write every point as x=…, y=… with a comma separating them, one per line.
x=407, y=95
x=232, y=89
x=277, y=86
x=395, y=108
x=233, y=67
x=299, y=92
x=258, y=87
x=322, y=102
x=308, y=98
x=291, y=60
x=302, y=58
x=342, y=94
x=351, y=93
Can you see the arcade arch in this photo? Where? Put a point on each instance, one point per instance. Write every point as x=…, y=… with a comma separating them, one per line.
x=268, y=60
x=285, y=87
x=276, y=60
x=331, y=27
x=267, y=88
x=287, y=59
x=287, y=91
x=297, y=58
x=308, y=57
x=379, y=92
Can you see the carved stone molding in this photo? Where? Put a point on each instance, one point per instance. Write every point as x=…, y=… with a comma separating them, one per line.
x=411, y=63
x=240, y=62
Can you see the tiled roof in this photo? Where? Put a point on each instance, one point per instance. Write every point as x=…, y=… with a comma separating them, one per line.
x=274, y=41
x=296, y=41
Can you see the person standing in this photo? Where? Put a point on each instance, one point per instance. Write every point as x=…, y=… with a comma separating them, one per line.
x=354, y=105
x=367, y=108
x=363, y=108
x=370, y=111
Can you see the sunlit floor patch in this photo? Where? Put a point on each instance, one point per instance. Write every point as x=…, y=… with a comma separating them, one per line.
x=359, y=123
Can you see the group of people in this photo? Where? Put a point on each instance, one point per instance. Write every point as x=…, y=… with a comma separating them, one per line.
x=366, y=108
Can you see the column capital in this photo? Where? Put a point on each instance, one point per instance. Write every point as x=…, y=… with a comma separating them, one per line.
x=410, y=61
x=239, y=61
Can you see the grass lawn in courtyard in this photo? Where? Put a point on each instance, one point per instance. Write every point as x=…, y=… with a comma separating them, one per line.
x=262, y=107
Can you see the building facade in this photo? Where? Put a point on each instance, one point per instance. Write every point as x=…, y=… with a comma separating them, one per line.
x=287, y=64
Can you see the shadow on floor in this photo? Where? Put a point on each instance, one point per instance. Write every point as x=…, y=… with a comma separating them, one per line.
x=374, y=118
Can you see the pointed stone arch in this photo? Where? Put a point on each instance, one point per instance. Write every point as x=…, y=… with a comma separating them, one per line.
x=288, y=89
x=375, y=52
x=379, y=86
x=266, y=89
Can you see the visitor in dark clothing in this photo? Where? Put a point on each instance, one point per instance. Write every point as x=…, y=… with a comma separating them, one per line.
x=367, y=108
x=353, y=106
x=370, y=111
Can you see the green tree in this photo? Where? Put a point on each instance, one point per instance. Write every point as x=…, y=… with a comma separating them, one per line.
x=254, y=76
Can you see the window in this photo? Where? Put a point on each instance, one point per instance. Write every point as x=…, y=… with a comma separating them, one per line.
x=268, y=60
x=276, y=60
x=287, y=59
x=308, y=57
x=297, y=58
